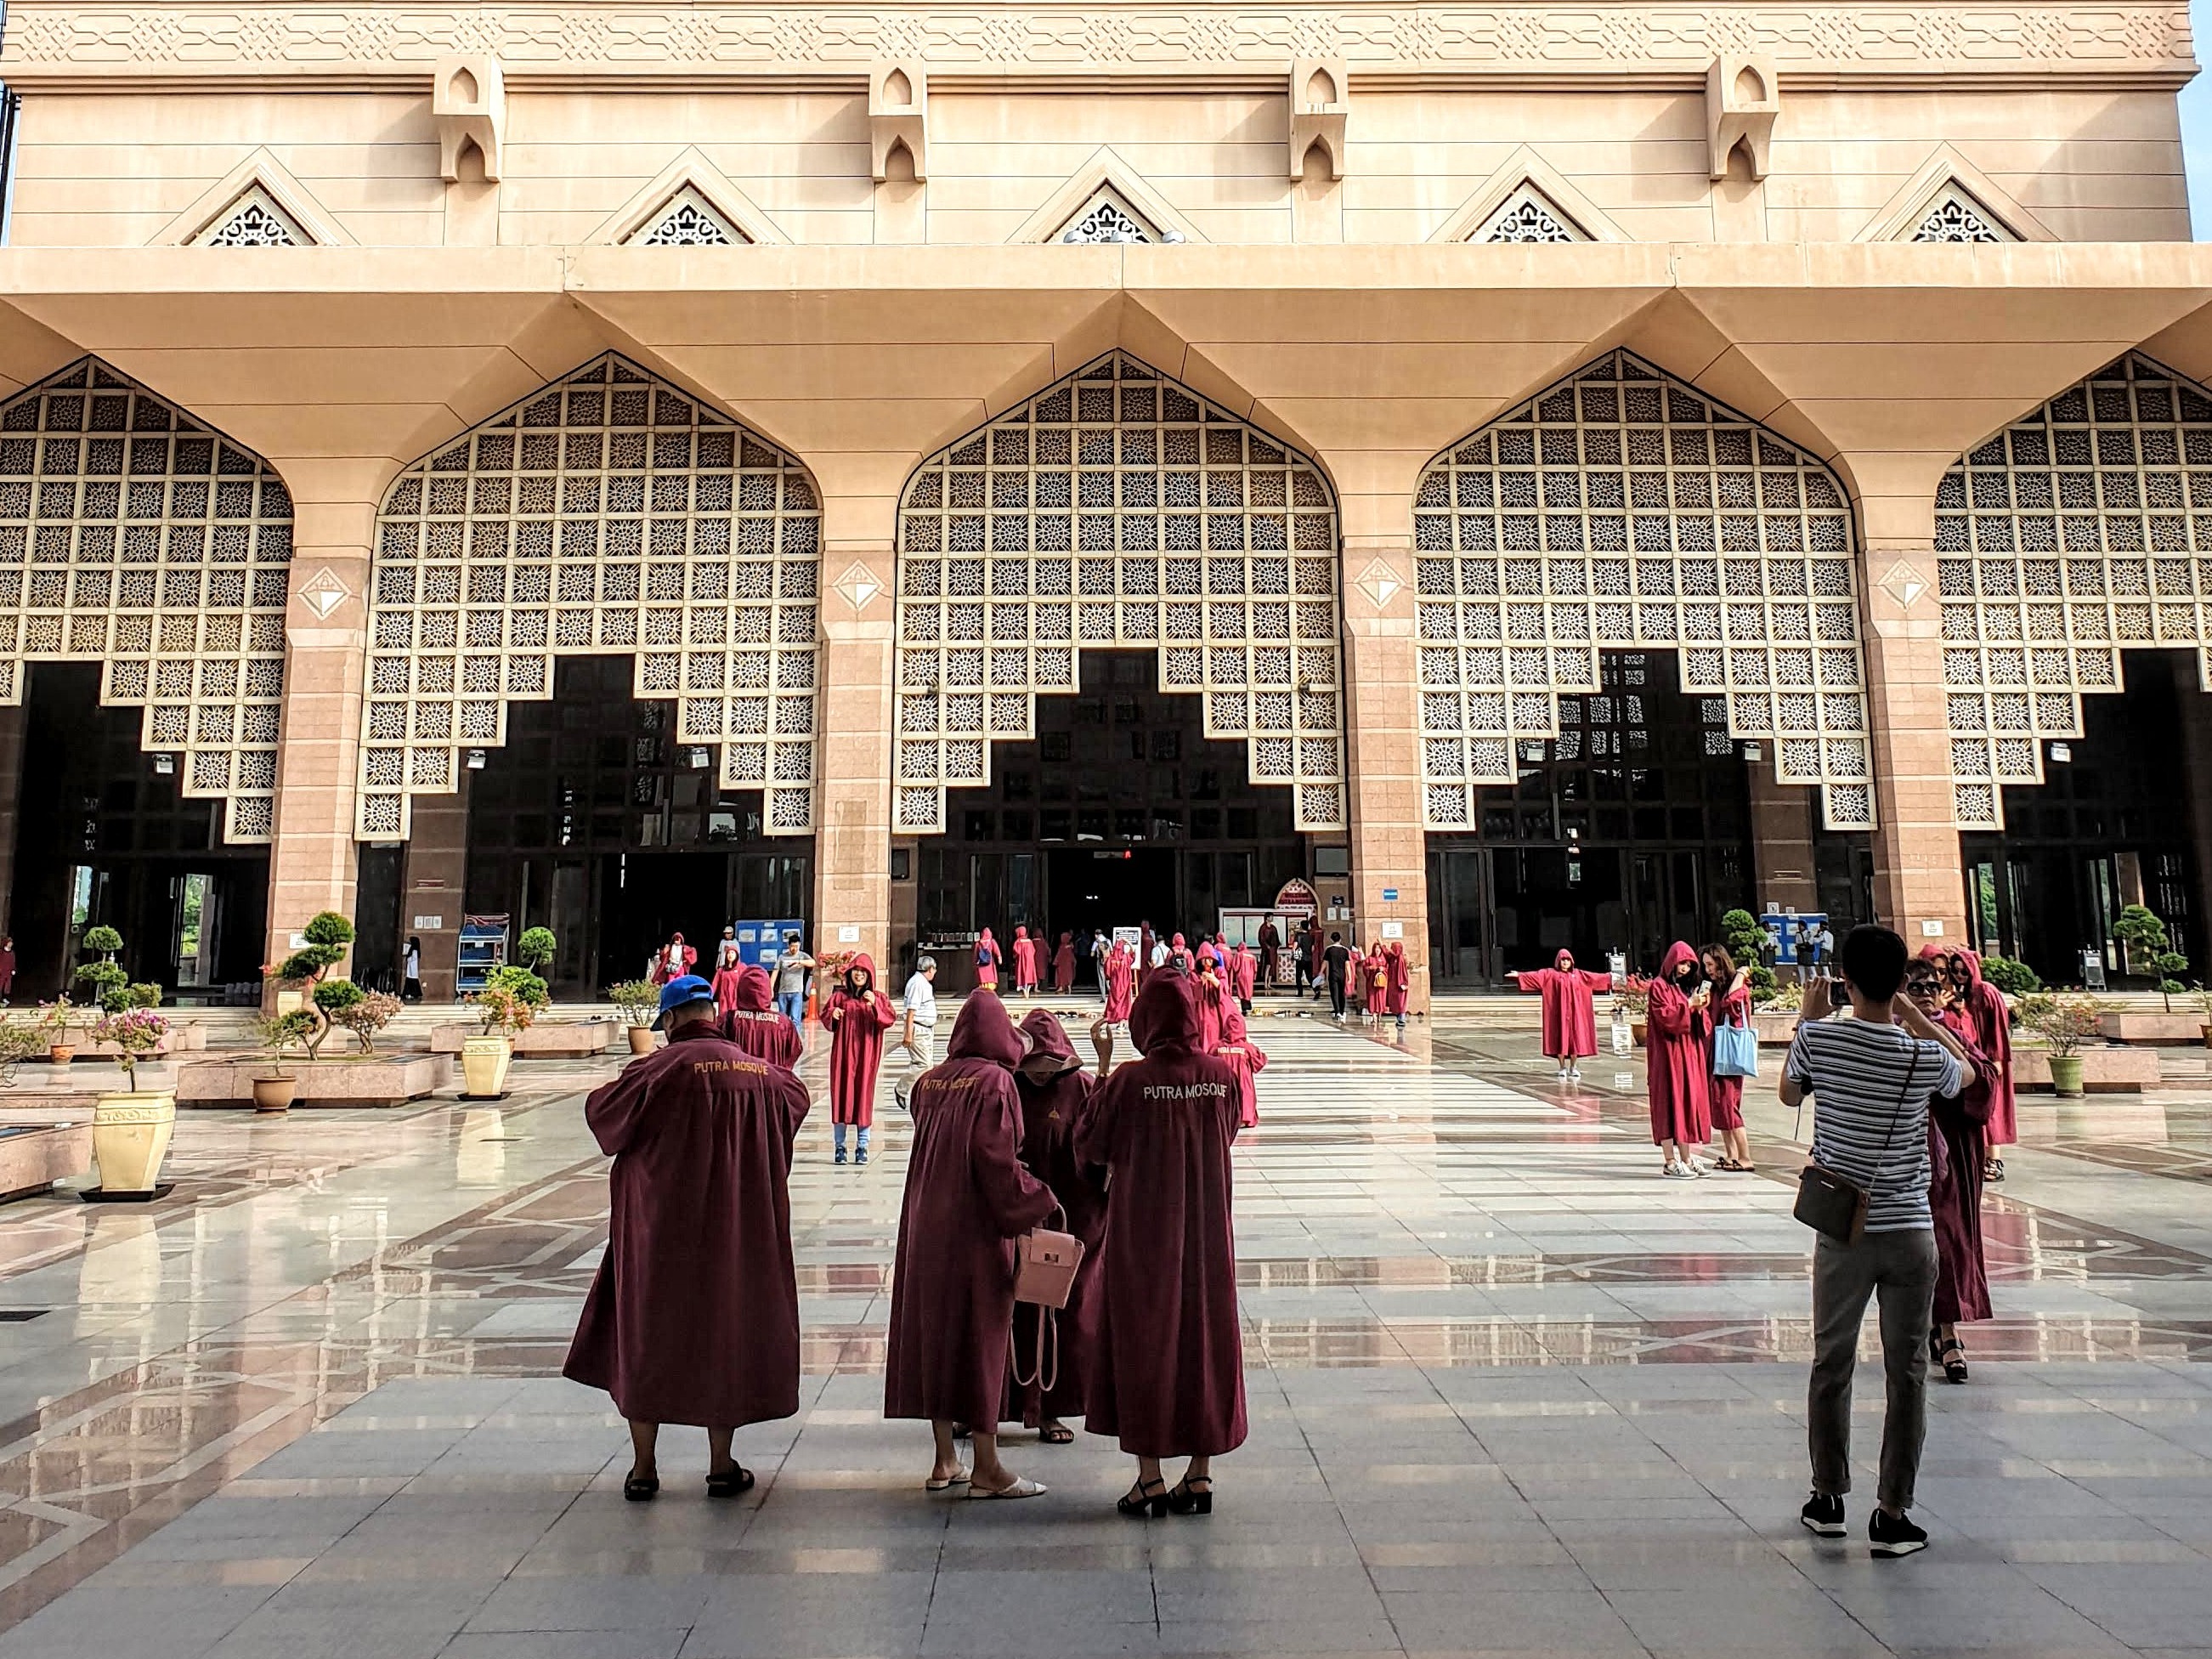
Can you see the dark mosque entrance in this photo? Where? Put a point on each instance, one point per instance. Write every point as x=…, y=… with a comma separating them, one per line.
x=1120, y=810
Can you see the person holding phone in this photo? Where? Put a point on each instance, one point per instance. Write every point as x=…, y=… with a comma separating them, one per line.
x=1678, y=1064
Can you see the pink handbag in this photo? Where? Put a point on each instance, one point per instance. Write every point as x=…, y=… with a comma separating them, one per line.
x=1045, y=1263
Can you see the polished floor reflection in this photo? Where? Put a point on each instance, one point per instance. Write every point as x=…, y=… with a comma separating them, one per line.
x=1511, y=1392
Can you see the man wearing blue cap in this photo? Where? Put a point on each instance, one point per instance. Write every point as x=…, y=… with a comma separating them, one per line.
x=693, y=1316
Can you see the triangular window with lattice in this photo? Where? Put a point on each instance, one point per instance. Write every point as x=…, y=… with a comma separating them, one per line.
x=1527, y=214
x=687, y=219
x=254, y=219
x=1955, y=214
x=1107, y=217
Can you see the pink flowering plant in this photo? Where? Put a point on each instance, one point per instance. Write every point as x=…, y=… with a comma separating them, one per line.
x=136, y=1033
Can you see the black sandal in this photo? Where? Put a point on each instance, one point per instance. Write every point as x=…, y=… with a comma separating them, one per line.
x=641, y=1488
x=1055, y=1434
x=733, y=1482
x=1993, y=1171
x=1187, y=1499
x=1951, y=1355
x=1141, y=1500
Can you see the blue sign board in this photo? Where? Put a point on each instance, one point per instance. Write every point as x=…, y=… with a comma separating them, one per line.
x=1389, y=895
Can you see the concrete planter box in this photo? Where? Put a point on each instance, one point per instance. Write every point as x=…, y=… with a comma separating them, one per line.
x=180, y=1039
x=1774, y=1028
x=2152, y=1028
x=35, y=1156
x=2104, y=1071
x=553, y=1040
x=372, y=1080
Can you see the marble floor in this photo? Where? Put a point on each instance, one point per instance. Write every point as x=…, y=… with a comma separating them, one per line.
x=1510, y=1394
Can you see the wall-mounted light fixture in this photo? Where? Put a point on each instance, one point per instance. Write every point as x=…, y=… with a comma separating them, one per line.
x=476, y=760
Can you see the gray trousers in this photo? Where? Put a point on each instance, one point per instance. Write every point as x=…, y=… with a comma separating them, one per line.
x=920, y=1056
x=1899, y=1270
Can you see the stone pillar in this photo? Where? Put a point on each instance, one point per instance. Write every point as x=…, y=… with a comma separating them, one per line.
x=1381, y=731
x=13, y=720
x=436, y=884
x=1918, y=889
x=1782, y=841
x=853, y=746
x=314, y=861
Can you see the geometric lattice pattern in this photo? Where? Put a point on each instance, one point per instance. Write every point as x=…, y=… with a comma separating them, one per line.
x=2079, y=531
x=254, y=220
x=134, y=537
x=1527, y=217
x=608, y=513
x=1955, y=216
x=1107, y=218
x=1116, y=508
x=688, y=220
x=1620, y=510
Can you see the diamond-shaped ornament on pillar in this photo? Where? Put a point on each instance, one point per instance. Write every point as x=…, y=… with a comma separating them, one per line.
x=1380, y=583
x=1903, y=584
x=857, y=586
x=325, y=592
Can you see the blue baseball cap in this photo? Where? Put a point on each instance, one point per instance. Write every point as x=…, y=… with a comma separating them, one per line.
x=684, y=987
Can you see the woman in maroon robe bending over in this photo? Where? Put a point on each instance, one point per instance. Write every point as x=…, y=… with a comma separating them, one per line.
x=753, y=1023
x=968, y=1199
x=1956, y=1126
x=693, y=1316
x=1679, y=1063
x=1569, y=1016
x=1054, y=1089
x=1167, y=1363
x=858, y=1016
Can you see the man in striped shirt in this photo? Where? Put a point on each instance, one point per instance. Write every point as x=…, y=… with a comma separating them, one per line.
x=1871, y=1078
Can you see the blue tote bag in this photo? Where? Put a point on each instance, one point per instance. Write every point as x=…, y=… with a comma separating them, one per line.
x=1736, y=1051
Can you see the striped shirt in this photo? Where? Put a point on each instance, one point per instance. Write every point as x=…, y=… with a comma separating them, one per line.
x=1870, y=1086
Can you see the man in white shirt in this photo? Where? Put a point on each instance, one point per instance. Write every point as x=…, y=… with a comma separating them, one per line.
x=918, y=1036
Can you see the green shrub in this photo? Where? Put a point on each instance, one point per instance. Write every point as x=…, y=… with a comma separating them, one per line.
x=335, y=996
x=2014, y=979
x=536, y=947
x=1762, y=981
x=1744, y=937
x=637, y=1000
x=103, y=939
x=526, y=986
x=102, y=980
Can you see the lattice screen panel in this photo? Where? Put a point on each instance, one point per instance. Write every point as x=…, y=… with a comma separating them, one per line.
x=609, y=513
x=134, y=537
x=2079, y=531
x=1117, y=508
x=1621, y=509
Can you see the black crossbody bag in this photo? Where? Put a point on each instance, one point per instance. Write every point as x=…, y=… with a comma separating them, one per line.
x=1834, y=1206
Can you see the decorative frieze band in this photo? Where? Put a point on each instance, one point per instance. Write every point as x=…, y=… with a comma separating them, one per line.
x=544, y=39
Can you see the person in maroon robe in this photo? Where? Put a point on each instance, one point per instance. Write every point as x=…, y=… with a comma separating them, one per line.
x=1053, y=1090
x=858, y=1016
x=1956, y=1125
x=727, y=967
x=755, y=1026
x=1245, y=969
x=1025, y=963
x=1373, y=991
x=1569, y=1013
x=1679, y=1063
x=1989, y=1018
x=673, y=960
x=987, y=959
x=1121, y=983
x=1247, y=1059
x=1729, y=1004
x=1063, y=966
x=1167, y=1363
x=1212, y=996
x=1397, y=982
x=693, y=1316
x=6, y=968
x=968, y=1198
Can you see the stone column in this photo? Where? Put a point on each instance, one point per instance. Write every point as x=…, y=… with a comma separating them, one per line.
x=1782, y=841
x=853, y=745
x=313, y=861
x=1382, y=729
x=1918, y=889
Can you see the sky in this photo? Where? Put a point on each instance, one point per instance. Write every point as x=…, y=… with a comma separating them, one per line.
x=2196, y=126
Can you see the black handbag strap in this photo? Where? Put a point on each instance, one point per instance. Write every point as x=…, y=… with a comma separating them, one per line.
x=1897, y=1116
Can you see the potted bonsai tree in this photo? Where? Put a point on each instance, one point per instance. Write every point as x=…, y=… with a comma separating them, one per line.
x=131, y=1129
x=2064, y=1023
x=535, y=949
x=638, y=1002
x=101, y=979
x=502, y=1008
x=55, y=1020
x=328, y=935
x=274, y=1089
x=1634, y=1000
x=365, y=1015
x=2144, y=936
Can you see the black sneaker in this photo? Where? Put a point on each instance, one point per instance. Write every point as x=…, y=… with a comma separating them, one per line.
x=1893, y=1535
x=1824, y=1515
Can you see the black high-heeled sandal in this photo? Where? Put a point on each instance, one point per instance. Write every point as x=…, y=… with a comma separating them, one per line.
x=733, y=1482
x=641, y=1488
x=1141, y=1501
x=1187, y=1499
x=1952, y=1357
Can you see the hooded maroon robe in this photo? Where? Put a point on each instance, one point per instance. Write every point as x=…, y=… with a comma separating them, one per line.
x=1050, y=1112
x=1397, y=980
x=988, y=958
x=1678, y=1057
x=1245, y=967
x=1167, y=1366
x=1212, y=996
x=1570, y=1017
x=1955, y=1197
x=727, y=969
x=966, y=1198
x=693, y=1316
x=1985, y=1006
x=1025, y=960
x=1063, y=964
x=755, y=1026
x=1121, y=983
x=857, y=1025
x=1246, y=1058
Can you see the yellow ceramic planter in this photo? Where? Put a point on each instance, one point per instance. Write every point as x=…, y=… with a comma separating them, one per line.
x=483, y=1065
x=131, y=1137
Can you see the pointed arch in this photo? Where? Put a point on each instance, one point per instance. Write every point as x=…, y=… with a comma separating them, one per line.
x=606, y=512
x=2081, y=530
x=1516, y=201
x=1106, y=200
x=1117, y=508
x=691, y=202
x=133, y=537
x=1622, y=509
x=257, y=204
